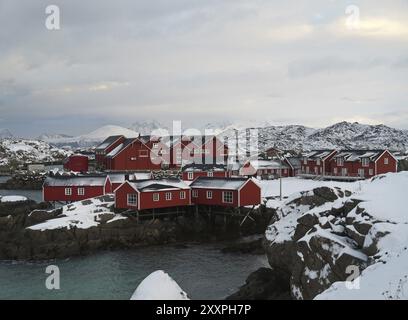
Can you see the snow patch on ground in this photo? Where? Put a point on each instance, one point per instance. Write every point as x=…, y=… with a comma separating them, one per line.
x=159, y=286
x=12, y=198
x=83, y=215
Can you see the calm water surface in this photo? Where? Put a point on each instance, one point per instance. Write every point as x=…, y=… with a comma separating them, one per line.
x=201, y=270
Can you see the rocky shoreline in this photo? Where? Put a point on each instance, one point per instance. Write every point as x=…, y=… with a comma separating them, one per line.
x=19, y=242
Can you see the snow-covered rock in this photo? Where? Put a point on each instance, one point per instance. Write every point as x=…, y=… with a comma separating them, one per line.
x=26, y=151
x=82, y=215
x=317, y=235
x=159, y=286
x=12, y=198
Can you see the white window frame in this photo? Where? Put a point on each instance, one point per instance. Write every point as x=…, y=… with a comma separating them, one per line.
x=156, y=196
x=371, y=172
x=190, y=175
x=68, y=191
x=131, y=199
x=182, y=195
x=209, y=194
x=210, y=174
x=361, y=172
x=340, y=161
x=81, y=191
x=344, y=172
x=318, y=162
x=195, y=193
x=335, y=171
x=386, y=161
x=365, y=162
x=227, y=200
x=168, y=196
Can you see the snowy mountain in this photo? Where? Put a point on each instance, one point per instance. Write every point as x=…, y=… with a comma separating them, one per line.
x=5, y=134
x=26, y=151
x=149, y=127
x=90, y=139
x=340, y=135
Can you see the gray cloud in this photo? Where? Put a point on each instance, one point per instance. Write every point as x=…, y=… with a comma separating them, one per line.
x=198, y=61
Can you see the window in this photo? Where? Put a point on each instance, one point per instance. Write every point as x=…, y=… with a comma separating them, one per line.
x=370, y=172
x=227, y=197
x=361, y=172
x=155, y=145
x=307, y=169
x=190, y=176
x=156, y=197
x=68, y=191
x=335, y=171
x=209, y=194
x=210, y=174
x=143, y=153
x=340, y=162
x=385, y=160
x=305, y=160
x=195, y=193
x=365, y=162
x=316, y=170
x=81, y=191
x=318, y=162
x=132, y=199
x=133, y=159
x=182, y=195
x=344, y=171
x=168, y=196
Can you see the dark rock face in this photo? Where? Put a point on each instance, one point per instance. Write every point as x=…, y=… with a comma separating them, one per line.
x=264, y=284
x=319, y=245
x=24, y=182
x=17, y=242
x=251, y=247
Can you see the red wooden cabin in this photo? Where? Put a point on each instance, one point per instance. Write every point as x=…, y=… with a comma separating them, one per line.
x=152, y=194
x=363, y=163
x=106, y=147
x=75, y=188
x=317, y=162
x=262, y=168
x=76, y=163
x=225, y=192
x=192, y=171
x=118, y=178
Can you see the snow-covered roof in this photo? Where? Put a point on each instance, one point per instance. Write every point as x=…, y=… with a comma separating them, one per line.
x=120, y=177
x=267, y=164
x=74, y=181
x=107, y=142
x=357, y=155
x=204, y=167
x=295, y=162
x=162, y=184
x=218, y=183
x=321, y=154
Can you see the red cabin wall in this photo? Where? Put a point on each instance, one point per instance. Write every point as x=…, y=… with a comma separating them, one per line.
x=134, y=157
x=250, y=194
x=392, y=165
x=216, y=198
x=146, y=199
x=77, y=164
x=196, y=174
x=51, y=193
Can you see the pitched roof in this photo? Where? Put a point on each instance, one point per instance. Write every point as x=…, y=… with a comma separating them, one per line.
x=162, y=184
x=218, y=183
x=295, y=162
x=318, y=154
x=267, y=164
x=357, y=155
x=107, y=142
x=204, y=167
x=120, y=147
x=74, y=181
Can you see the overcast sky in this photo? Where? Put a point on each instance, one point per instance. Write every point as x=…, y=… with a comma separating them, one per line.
x=117, y=62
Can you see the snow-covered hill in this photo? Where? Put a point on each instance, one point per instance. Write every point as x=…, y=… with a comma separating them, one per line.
x=90, y=139
x=340, y=135
x=321, y=237
x=5, y=133
x=290, y=137
x=26, y=151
